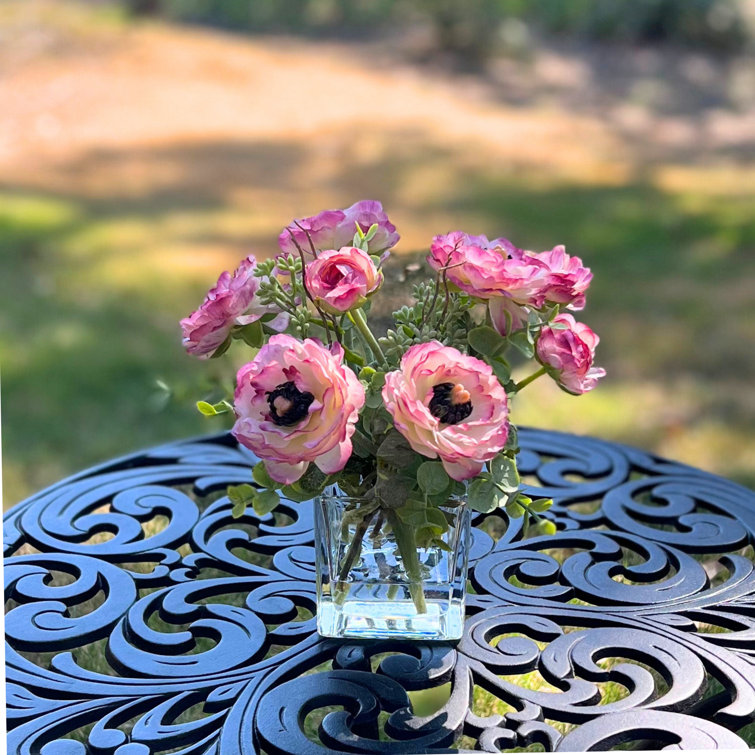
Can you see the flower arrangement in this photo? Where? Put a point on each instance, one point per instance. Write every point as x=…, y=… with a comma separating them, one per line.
x=409, y=421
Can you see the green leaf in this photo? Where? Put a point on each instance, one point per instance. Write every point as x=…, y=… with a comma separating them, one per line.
x=207, y=409
x=417, y=514
x=295, y=494
x=442, y=498
x=252, y=334
x=240, y=496
x=352, y=356
x=395, y=450
x=265, y=501
x=486, y=341
x=393, y=489
x=541, y=504
x=522, y=340
x=432, y=478
x=312, y=481
x=512, y=440
x=367, y=373
x=373, y=400
x=504, y=472
x=362, y=445
x=222, y=348
x=484, y=495
x=501, y=368
x=261, y=476
x=371, y=231
x=514, y=510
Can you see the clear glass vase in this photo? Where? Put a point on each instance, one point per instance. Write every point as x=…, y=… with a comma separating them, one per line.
x=367, y=589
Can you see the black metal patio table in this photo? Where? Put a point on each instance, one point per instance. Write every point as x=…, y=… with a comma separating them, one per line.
x=142, y=618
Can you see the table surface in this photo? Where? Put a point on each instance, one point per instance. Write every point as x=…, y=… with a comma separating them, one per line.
x=142, y=618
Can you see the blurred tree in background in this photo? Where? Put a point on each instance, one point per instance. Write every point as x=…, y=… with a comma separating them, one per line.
x=471, y=29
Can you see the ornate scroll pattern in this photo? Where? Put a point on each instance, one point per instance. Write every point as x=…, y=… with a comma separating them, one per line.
x=142, y=618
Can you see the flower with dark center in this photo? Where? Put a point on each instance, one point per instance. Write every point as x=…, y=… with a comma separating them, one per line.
x=288, y=405
x=450, y=403
x=297, y=403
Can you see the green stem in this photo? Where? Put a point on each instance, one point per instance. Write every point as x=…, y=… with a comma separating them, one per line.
x=341, y=589
x=534, y=376
x=407, y=548
x=355, y=547
x=358, y=318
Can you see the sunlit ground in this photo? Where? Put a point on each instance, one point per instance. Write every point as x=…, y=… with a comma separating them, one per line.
x=137, y=162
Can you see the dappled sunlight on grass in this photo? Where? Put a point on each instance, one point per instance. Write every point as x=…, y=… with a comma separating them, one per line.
x=108, y=236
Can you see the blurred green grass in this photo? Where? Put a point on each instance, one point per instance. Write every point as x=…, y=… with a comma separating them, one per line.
x=91, y=309
x=105, y=243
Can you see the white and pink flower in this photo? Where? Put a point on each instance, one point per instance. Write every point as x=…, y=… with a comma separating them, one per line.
x=296, y=403
x=365, y=214
x=568, y=353
x=488, y=269
x=567, y=278
x=232, y=301
x=342, y=279
x=318, y=231
x=448, y=405
x=333, y=229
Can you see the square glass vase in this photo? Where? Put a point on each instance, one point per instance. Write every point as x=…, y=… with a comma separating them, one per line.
x=363, y=590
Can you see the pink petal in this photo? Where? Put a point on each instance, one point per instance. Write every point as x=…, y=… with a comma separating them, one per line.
x=285, y=473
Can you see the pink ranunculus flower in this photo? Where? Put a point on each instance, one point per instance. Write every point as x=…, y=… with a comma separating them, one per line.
x=448, y=405
x=333, y=229
x=567, y=279
x=320, y=229
x=366, y=213
x=296, y=403
x=568, y=353
x=232, y=301
x=486, y=269
x=341, y=279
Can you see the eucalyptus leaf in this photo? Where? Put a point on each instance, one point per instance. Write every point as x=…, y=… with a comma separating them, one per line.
x=393, y=489
x=395, y=450
x=373, y=400
x=504, y=472
x=240, y=496
x=312, y=481
x=522, y=340
x=296, y=494
x=501, y=368
x=362, y=445
x=261, y=476
x=432, y=478
x=265, y=501
x=484, y=495
x=486, y=341
x=512, y=440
